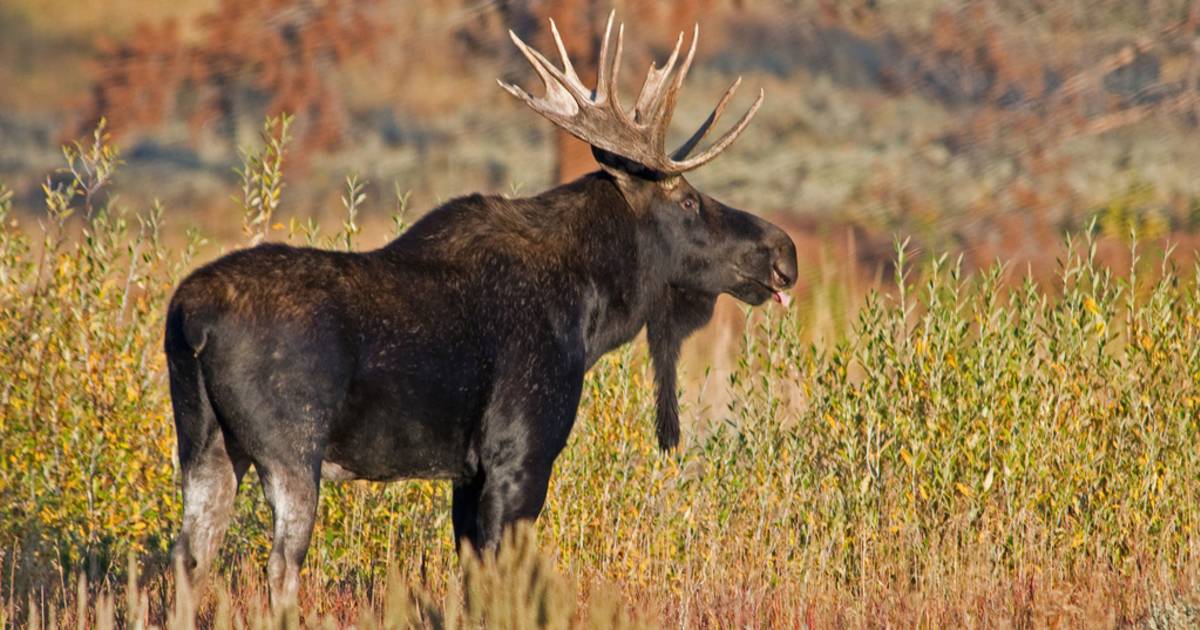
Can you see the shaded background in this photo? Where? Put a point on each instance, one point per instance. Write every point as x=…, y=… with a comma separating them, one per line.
x=986, y=128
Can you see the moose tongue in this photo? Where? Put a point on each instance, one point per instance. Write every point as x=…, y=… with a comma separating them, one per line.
x=782, y=298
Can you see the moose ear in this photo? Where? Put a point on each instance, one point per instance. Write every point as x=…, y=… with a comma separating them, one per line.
x=631, y=177
x=622, y=167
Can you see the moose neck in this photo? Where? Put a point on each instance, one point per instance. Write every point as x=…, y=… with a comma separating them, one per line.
x=639, y=294
x=583, y=237
x=617, y=250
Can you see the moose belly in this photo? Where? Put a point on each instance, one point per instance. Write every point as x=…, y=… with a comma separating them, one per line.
x=417, y=432
x=378, y=457
x=333, y=471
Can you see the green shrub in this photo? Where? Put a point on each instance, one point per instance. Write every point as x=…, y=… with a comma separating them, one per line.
x=85, y=466
x=971, y=425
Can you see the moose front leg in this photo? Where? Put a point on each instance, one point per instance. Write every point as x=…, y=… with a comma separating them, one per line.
x=524, y=429
x=512, y=493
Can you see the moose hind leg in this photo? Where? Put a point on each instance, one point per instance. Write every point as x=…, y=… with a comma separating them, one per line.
x=292, y=492
x=211, y=463
x=211, y=476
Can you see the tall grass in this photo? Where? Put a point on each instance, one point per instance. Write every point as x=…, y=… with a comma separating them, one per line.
x=977, y=450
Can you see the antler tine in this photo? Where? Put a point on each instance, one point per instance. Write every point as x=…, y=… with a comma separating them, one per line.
x=517, y=92
x=601, y=91
x=666, y=106
x=650, y=99
x=520, y=93
x=670, y=65
x=687, y=62
x=614, y=103
x=568, y=69
x=547, y=71
x=710, y=122
x=724, y=142
x=537, y=67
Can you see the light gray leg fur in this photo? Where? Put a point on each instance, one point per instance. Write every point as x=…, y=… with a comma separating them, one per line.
x=210, y=484
x=293, y=495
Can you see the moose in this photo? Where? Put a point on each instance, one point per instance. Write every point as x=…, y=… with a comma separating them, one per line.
x=458, y=350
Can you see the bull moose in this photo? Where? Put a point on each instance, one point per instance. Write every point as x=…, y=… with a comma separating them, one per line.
x=458, y=350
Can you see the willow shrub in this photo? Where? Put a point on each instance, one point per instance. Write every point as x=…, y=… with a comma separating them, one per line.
x=966, y=419
x=85, y=467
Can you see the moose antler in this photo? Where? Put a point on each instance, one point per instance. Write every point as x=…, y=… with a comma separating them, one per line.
x=596, y=116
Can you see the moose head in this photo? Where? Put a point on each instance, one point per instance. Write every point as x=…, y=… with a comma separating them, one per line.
x=706, y=248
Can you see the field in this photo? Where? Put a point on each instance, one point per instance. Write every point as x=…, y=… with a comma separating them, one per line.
x=983, y=409
x=974, y=451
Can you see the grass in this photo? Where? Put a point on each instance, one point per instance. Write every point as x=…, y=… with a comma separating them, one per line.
x=976, y=450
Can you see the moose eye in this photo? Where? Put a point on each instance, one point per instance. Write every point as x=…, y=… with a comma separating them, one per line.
x=690, y=204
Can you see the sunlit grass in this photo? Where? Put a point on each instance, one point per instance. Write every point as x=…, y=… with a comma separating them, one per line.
x=975, y=449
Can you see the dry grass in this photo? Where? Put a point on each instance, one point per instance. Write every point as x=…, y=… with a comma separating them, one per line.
x=961, y=448
x=973, y=451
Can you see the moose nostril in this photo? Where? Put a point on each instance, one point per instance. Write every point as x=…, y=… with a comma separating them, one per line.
x=781, y=276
